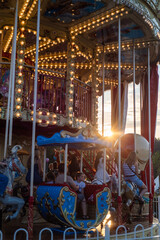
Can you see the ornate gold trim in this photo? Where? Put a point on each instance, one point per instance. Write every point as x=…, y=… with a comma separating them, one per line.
x=88, y=132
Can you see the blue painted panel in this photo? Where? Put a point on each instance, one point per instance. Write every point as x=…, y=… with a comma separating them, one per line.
x=48, y=205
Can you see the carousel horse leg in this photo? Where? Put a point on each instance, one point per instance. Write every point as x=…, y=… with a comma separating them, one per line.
x=13, y=201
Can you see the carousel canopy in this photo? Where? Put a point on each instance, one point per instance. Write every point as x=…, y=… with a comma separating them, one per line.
x=78, y=142
x=93, y=24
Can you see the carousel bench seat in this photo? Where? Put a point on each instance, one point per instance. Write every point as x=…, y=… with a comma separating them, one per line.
x=90, y=192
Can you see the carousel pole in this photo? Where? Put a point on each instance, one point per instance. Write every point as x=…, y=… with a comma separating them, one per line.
x=8, y=108
x=134, y=99
x=11, y=76
x=119, y=123
x=44, y=165
x=104, y=151
x=31, y=199
x=65, y=163
x=103, y=94
x=81, y=164
x=104, y=165
x=149, y=128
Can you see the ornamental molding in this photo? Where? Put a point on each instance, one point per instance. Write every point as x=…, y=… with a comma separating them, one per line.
x=153, y=3
x=147, y=14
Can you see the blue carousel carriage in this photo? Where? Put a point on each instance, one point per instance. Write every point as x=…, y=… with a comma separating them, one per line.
x=57, y=202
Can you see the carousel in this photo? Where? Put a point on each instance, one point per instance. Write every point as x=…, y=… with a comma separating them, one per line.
x=59, y=200
x=56, y=59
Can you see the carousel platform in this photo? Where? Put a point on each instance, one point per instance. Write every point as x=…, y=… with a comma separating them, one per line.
x=8, y=229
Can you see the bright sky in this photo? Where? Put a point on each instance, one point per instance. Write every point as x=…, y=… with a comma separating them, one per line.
x=129, y=123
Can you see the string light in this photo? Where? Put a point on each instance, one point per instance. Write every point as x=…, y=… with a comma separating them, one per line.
x=31, y=9
x=8, y=41
x=98, y=20
x=23, y=9
x=20, y=63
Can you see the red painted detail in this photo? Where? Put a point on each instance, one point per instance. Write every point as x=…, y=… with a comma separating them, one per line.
x=154, y=82
x=30, y=218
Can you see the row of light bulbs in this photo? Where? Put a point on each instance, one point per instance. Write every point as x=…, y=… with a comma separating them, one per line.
x=60, y=75
x=54, y=116
x=108, y=81
x=8, y=41
x=55, y=55
x=107, y=48
x=21, y=15
x=109, y=66
x=23, y=9
x=43, y=46
x=98, y=21
x=124, y=46
x=48, y=57
x=96, y=90
x=20, y=63
x=74, y=47
x=31, y=9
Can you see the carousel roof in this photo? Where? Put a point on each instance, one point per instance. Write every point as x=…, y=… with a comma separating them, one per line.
x=94, y=24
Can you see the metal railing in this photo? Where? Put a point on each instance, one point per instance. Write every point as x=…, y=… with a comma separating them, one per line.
x=51, y=93
x=156, y=207
x=139, y=233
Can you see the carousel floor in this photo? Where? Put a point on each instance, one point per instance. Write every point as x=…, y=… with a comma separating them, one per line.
x=8, y=229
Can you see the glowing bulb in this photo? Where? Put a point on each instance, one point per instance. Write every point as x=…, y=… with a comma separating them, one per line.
x=19, y=90
x=18, y=107
x=17, y=114
x=22, y=42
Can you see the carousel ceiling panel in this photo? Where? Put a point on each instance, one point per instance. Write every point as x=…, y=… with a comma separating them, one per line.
x=67, y=11
x=126, y=56
x=129, y=30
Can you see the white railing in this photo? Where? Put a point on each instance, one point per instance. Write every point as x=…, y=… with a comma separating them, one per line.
x=137, y=234
x=20, y=230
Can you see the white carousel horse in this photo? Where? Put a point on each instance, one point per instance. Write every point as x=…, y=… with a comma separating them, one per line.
x=13, y=164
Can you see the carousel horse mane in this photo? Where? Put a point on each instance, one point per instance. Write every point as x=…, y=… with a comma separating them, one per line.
x=13, y=164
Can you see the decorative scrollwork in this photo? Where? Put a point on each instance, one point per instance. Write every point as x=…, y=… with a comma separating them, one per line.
x=49, y=202
x=88, y=132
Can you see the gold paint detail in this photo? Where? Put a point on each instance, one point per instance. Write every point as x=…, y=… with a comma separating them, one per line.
x=48, y=202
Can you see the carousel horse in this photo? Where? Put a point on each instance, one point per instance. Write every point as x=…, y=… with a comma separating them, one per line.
x=129, y=193
x=13, y=204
